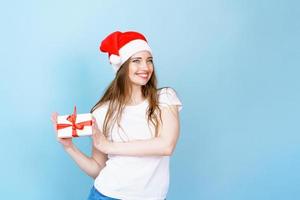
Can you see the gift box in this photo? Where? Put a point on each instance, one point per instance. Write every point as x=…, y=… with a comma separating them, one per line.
x=74, y=125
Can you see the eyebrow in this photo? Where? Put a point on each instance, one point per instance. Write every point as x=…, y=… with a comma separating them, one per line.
x=140, y=58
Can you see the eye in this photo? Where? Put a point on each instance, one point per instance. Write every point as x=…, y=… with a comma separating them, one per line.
x=136, y=61
x=150, y=61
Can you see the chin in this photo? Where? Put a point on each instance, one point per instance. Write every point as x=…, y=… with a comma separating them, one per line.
x=141, y=83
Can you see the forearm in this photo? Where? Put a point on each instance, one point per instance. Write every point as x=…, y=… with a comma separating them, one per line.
x=151, y=147
x=85, y=163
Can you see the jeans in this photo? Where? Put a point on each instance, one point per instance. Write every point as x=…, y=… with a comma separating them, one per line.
x=96, y=195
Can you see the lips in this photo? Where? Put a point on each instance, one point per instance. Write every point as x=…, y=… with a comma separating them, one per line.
x=142, y=75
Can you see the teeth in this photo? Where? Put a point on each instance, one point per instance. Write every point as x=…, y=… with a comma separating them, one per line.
x=142, y=75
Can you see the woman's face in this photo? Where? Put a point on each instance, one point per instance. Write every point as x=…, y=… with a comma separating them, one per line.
x=140, y=68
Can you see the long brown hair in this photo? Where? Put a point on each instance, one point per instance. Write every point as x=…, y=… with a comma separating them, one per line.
x=117, y=95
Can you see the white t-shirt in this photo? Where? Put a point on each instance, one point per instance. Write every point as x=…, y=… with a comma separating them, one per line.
x=135, y=177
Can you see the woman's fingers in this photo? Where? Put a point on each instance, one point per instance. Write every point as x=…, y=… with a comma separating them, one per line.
x=66, y=142
x=54, y=120
x=54, y=116
x=96, y=132
x=95, y=126
x=94, y=122
x=95, y=138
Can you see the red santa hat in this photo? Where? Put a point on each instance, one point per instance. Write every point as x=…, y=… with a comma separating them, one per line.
x=121, y=46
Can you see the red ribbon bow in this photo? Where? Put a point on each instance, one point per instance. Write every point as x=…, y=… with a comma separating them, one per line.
x=75, y=126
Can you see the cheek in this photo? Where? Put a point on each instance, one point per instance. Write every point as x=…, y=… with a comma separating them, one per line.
x=132, y=69
x=131, y=72
x=151, y=70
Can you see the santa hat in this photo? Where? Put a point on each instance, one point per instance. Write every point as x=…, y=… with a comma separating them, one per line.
x=121, y=46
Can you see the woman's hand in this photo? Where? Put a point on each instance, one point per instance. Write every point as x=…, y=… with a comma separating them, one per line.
x=99, y=140
x=66, y=142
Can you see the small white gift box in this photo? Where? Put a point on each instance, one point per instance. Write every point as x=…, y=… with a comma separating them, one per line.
x=74, y=125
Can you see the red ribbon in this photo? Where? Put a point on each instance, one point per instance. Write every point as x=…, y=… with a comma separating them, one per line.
x=75, y=126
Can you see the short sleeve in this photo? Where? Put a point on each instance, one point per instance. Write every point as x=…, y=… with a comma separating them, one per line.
x=168, y=96
x=99, y=115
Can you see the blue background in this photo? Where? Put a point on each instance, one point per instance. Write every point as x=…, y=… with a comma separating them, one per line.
x=234, y=64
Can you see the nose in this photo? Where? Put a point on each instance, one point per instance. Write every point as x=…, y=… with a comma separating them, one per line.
x=145, y=64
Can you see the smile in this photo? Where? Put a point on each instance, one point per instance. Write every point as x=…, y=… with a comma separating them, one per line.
x=143, y=75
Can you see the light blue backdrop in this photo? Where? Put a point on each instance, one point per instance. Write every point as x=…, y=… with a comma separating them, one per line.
x=234, y=64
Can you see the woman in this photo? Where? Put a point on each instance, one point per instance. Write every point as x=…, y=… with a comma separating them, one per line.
x=135, y=129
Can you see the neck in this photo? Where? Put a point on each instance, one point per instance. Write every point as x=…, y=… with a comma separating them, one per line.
x=136, y=95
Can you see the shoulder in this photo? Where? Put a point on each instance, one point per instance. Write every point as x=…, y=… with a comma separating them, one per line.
x=99, y=114
x=167, y=96
x=100, y=111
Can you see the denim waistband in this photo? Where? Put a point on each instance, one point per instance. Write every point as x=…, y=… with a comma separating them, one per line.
x=96, y=195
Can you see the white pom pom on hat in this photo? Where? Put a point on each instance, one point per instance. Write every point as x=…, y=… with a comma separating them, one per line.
x=121, y=46
x=114, y=59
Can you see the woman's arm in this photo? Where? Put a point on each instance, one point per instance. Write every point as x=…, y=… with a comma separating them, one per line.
x=163, y=145
x=90, y=165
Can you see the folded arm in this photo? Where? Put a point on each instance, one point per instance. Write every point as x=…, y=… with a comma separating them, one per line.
x=163, y=145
